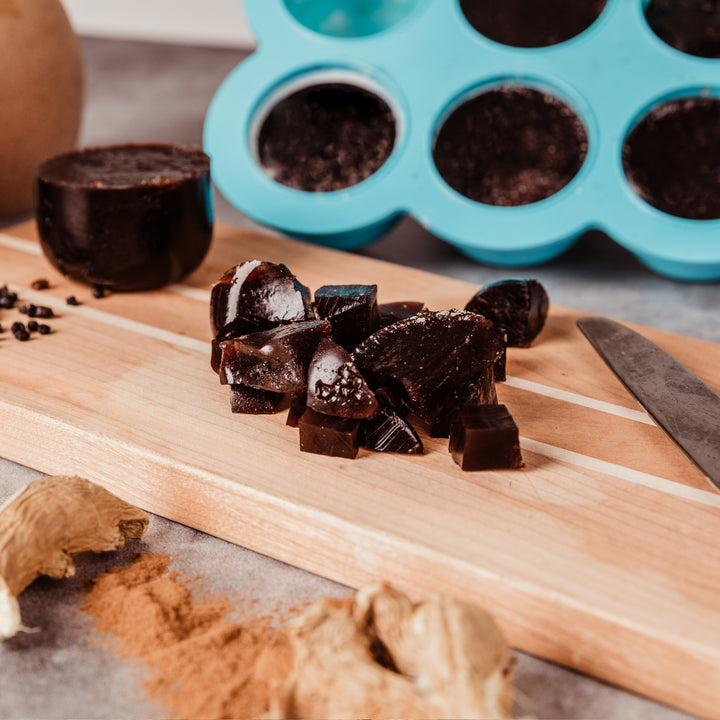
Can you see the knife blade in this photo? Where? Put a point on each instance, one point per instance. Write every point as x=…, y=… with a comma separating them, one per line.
x=678, y=400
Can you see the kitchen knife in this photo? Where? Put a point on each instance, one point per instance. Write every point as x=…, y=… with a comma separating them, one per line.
x=682, y=404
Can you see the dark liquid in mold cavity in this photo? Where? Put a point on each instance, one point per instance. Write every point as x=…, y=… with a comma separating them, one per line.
x=672, y=158
x=530, y=23
x=691, y=26
x=510, y=146
x=326, y=137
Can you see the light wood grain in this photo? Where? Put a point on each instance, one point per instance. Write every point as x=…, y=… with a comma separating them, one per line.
x=602, y=553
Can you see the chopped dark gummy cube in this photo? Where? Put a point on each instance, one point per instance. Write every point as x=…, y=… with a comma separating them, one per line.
x=251, y=401
x=276, y=359
x=518, y=306
x=298, y=405
x=485, y=437
x=389, y=313
x=479, y=391
x=429, y=358
x=387, y=431
x=328, y=435
x=351, y=309
x=259, y=293
x=335, y=386
x=237, y=328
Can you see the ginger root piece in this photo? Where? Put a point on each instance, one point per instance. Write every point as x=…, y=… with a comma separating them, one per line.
x=47, y=522
x=380, y=655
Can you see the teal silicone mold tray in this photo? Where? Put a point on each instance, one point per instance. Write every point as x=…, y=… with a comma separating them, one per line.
x=424, y=59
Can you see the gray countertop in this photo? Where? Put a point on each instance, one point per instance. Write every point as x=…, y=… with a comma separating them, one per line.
x=139, y=92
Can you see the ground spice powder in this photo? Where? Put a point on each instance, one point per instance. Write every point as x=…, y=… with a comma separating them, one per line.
x=202, y=663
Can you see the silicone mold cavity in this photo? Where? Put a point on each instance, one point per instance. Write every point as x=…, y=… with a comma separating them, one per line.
x=423, y=63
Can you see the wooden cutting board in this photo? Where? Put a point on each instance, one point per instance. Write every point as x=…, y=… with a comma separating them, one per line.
x=602, y=553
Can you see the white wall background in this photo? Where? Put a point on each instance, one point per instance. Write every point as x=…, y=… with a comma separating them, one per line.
x=203, y=22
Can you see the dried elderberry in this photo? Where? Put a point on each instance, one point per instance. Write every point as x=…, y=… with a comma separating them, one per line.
x=7, y=298
x=20, y=332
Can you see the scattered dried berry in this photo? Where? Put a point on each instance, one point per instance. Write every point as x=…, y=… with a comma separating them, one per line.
x=71, y=300
x=44, y=329
x=7, y=298
x=98, y=291
x=36, y=311
x=32, y=325
x=40, y=284
x=20, y=332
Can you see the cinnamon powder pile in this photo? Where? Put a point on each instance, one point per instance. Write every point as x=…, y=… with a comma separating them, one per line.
x=202, y=664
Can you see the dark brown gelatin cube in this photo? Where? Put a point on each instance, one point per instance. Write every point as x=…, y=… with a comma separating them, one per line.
x=518, y=306
x=251, y=401
x=261, y=293
x=125, y=217
x=387, y=431
x=352, y=310
x=389, y=313
x=237, y=328
x=479, y=391
x=335, y=386
x=298, y=405
x=328, y=435
x=276, y=359
x=485, y=437
x=429, y=358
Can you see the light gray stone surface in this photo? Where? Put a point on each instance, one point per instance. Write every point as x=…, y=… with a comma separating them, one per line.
x=138, y=92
